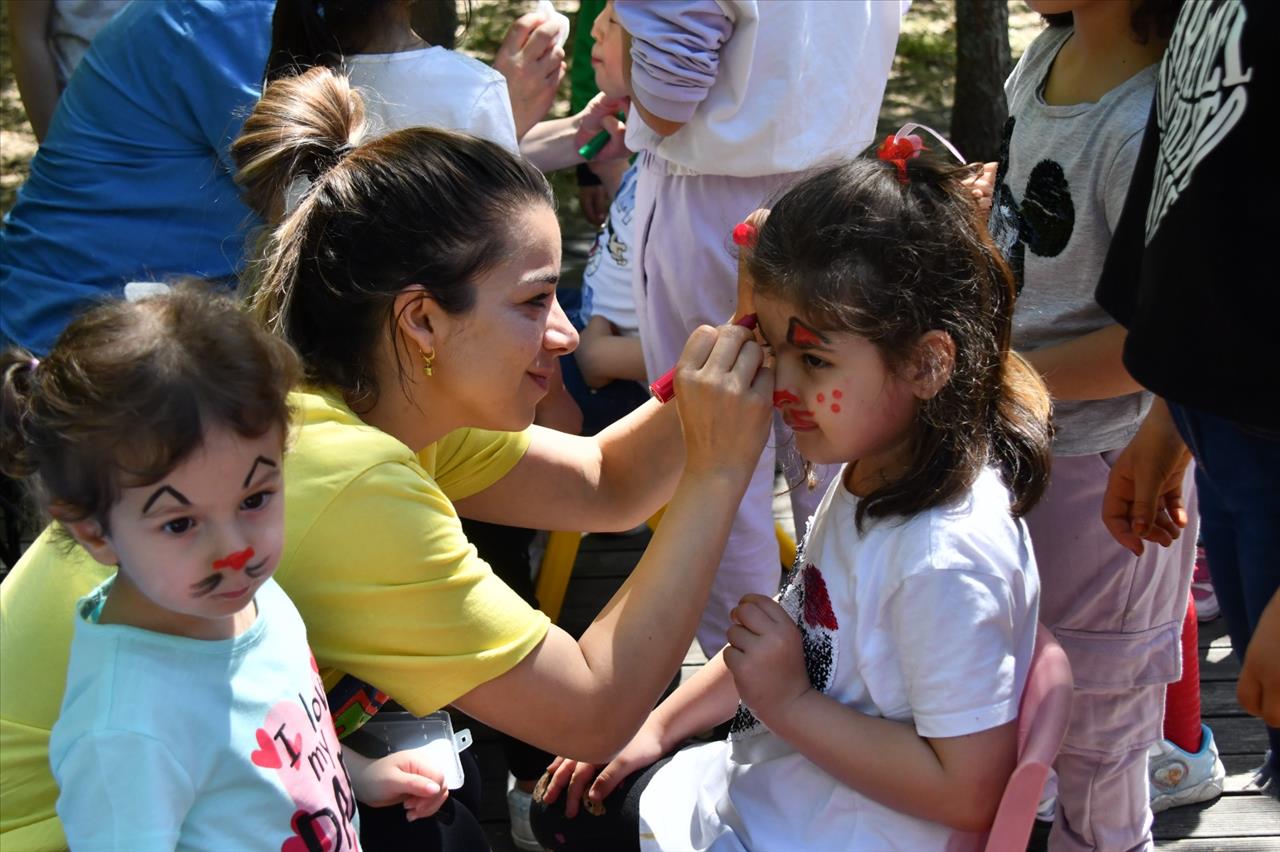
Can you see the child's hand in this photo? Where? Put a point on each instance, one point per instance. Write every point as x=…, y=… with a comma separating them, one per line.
x=600, y=114
x=1143, y=499
x=403, y=776
x=1259, y=686
x=533, y=65
x=572, y=776
x=983, y=186
x=765, y=656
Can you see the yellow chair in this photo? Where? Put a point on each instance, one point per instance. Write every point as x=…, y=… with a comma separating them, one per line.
x=562, y=552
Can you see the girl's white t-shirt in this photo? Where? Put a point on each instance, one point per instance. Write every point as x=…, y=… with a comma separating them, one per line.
x=434, y=87
x=929, y=620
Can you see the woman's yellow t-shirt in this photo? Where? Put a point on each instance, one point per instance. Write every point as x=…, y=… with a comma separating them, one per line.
x=375, y=560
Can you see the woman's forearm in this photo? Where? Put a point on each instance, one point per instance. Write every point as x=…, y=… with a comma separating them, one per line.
x=586, y=700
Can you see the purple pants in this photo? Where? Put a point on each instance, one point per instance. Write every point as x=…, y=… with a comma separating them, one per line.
x=1119, y=618
x=686, y=275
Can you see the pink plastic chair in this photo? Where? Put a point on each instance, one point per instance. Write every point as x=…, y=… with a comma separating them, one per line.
x=1042, y=723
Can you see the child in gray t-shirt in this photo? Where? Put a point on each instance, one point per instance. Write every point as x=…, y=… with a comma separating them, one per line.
x=1078, y=105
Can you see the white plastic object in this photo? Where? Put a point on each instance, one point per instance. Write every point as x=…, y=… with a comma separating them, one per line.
x=548, y=12
x=433, y=735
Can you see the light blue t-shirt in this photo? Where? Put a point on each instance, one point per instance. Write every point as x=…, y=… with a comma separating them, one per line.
x=134, y=181
x=167, y=742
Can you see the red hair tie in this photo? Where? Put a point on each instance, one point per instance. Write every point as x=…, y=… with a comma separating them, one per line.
x=904, y=145
x=745, y=234
x=899, y=149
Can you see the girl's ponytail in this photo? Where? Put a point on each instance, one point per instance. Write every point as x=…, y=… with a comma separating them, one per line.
x=17, y=380
x=1021, y=434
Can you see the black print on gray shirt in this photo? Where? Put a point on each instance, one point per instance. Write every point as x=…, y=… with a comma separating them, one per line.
x=1042, y=223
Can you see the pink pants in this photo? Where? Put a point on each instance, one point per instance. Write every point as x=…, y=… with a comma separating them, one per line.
x=1119, y=618
x=686, y=274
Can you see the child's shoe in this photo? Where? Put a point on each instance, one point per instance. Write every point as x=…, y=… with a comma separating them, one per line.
x=1206, y=599
x=518, y=804
x=1048, y=805
x=1181, y=778
x=1266, y=778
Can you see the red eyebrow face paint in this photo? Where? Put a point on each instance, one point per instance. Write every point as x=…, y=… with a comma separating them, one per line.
x=664, y=389
x=234, y=561
x=799, y=334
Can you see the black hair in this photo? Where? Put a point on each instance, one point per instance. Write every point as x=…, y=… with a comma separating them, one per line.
x=857, y=249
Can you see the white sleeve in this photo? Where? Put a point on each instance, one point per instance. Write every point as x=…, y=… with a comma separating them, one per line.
x=121, y=790
x=491, y=116
x=955, y=638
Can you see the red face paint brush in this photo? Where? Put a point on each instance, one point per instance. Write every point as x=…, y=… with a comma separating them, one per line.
x=664, y=389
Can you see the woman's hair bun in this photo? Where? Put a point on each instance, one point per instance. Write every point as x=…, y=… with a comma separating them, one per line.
x=302, y=127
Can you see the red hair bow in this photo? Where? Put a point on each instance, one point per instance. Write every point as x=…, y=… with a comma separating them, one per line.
x=899, y=149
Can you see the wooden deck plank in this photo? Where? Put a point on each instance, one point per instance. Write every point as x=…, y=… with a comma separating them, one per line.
x=1229, y=816
x=1222, y=844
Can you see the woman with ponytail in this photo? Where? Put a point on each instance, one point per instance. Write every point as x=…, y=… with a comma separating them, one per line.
x=415, y=276
x=879, y=690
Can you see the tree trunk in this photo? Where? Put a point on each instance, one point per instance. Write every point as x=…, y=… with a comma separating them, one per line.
x=982, y=63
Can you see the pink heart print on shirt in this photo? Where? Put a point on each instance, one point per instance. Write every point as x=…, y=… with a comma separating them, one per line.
x=297, y=744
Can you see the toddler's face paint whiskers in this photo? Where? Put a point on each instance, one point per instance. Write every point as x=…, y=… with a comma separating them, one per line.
x=206, y=586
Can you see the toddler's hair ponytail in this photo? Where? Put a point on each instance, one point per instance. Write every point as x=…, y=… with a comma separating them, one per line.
x=17, y=383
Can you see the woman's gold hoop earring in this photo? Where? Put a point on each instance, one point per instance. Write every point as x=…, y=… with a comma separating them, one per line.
x=428, y=362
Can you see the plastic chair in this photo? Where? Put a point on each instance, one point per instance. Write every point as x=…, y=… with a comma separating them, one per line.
x=562, y=552
x=1042, y=724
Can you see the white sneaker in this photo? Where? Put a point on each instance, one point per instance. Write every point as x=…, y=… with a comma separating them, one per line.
x=1048, y=798
x=1181, y=778
x=518, y=804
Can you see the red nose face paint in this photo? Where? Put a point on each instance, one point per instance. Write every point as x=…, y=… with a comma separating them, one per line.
x=781, y=398
x=234, y=561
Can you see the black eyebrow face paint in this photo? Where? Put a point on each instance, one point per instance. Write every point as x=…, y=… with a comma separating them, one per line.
x=259, y=460
x=160, y=492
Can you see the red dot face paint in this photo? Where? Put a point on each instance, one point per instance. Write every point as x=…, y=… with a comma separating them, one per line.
x=234, y=561
x=821, y=398
x=835, y=394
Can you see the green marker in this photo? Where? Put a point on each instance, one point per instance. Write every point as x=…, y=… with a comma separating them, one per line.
x=589, y=150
